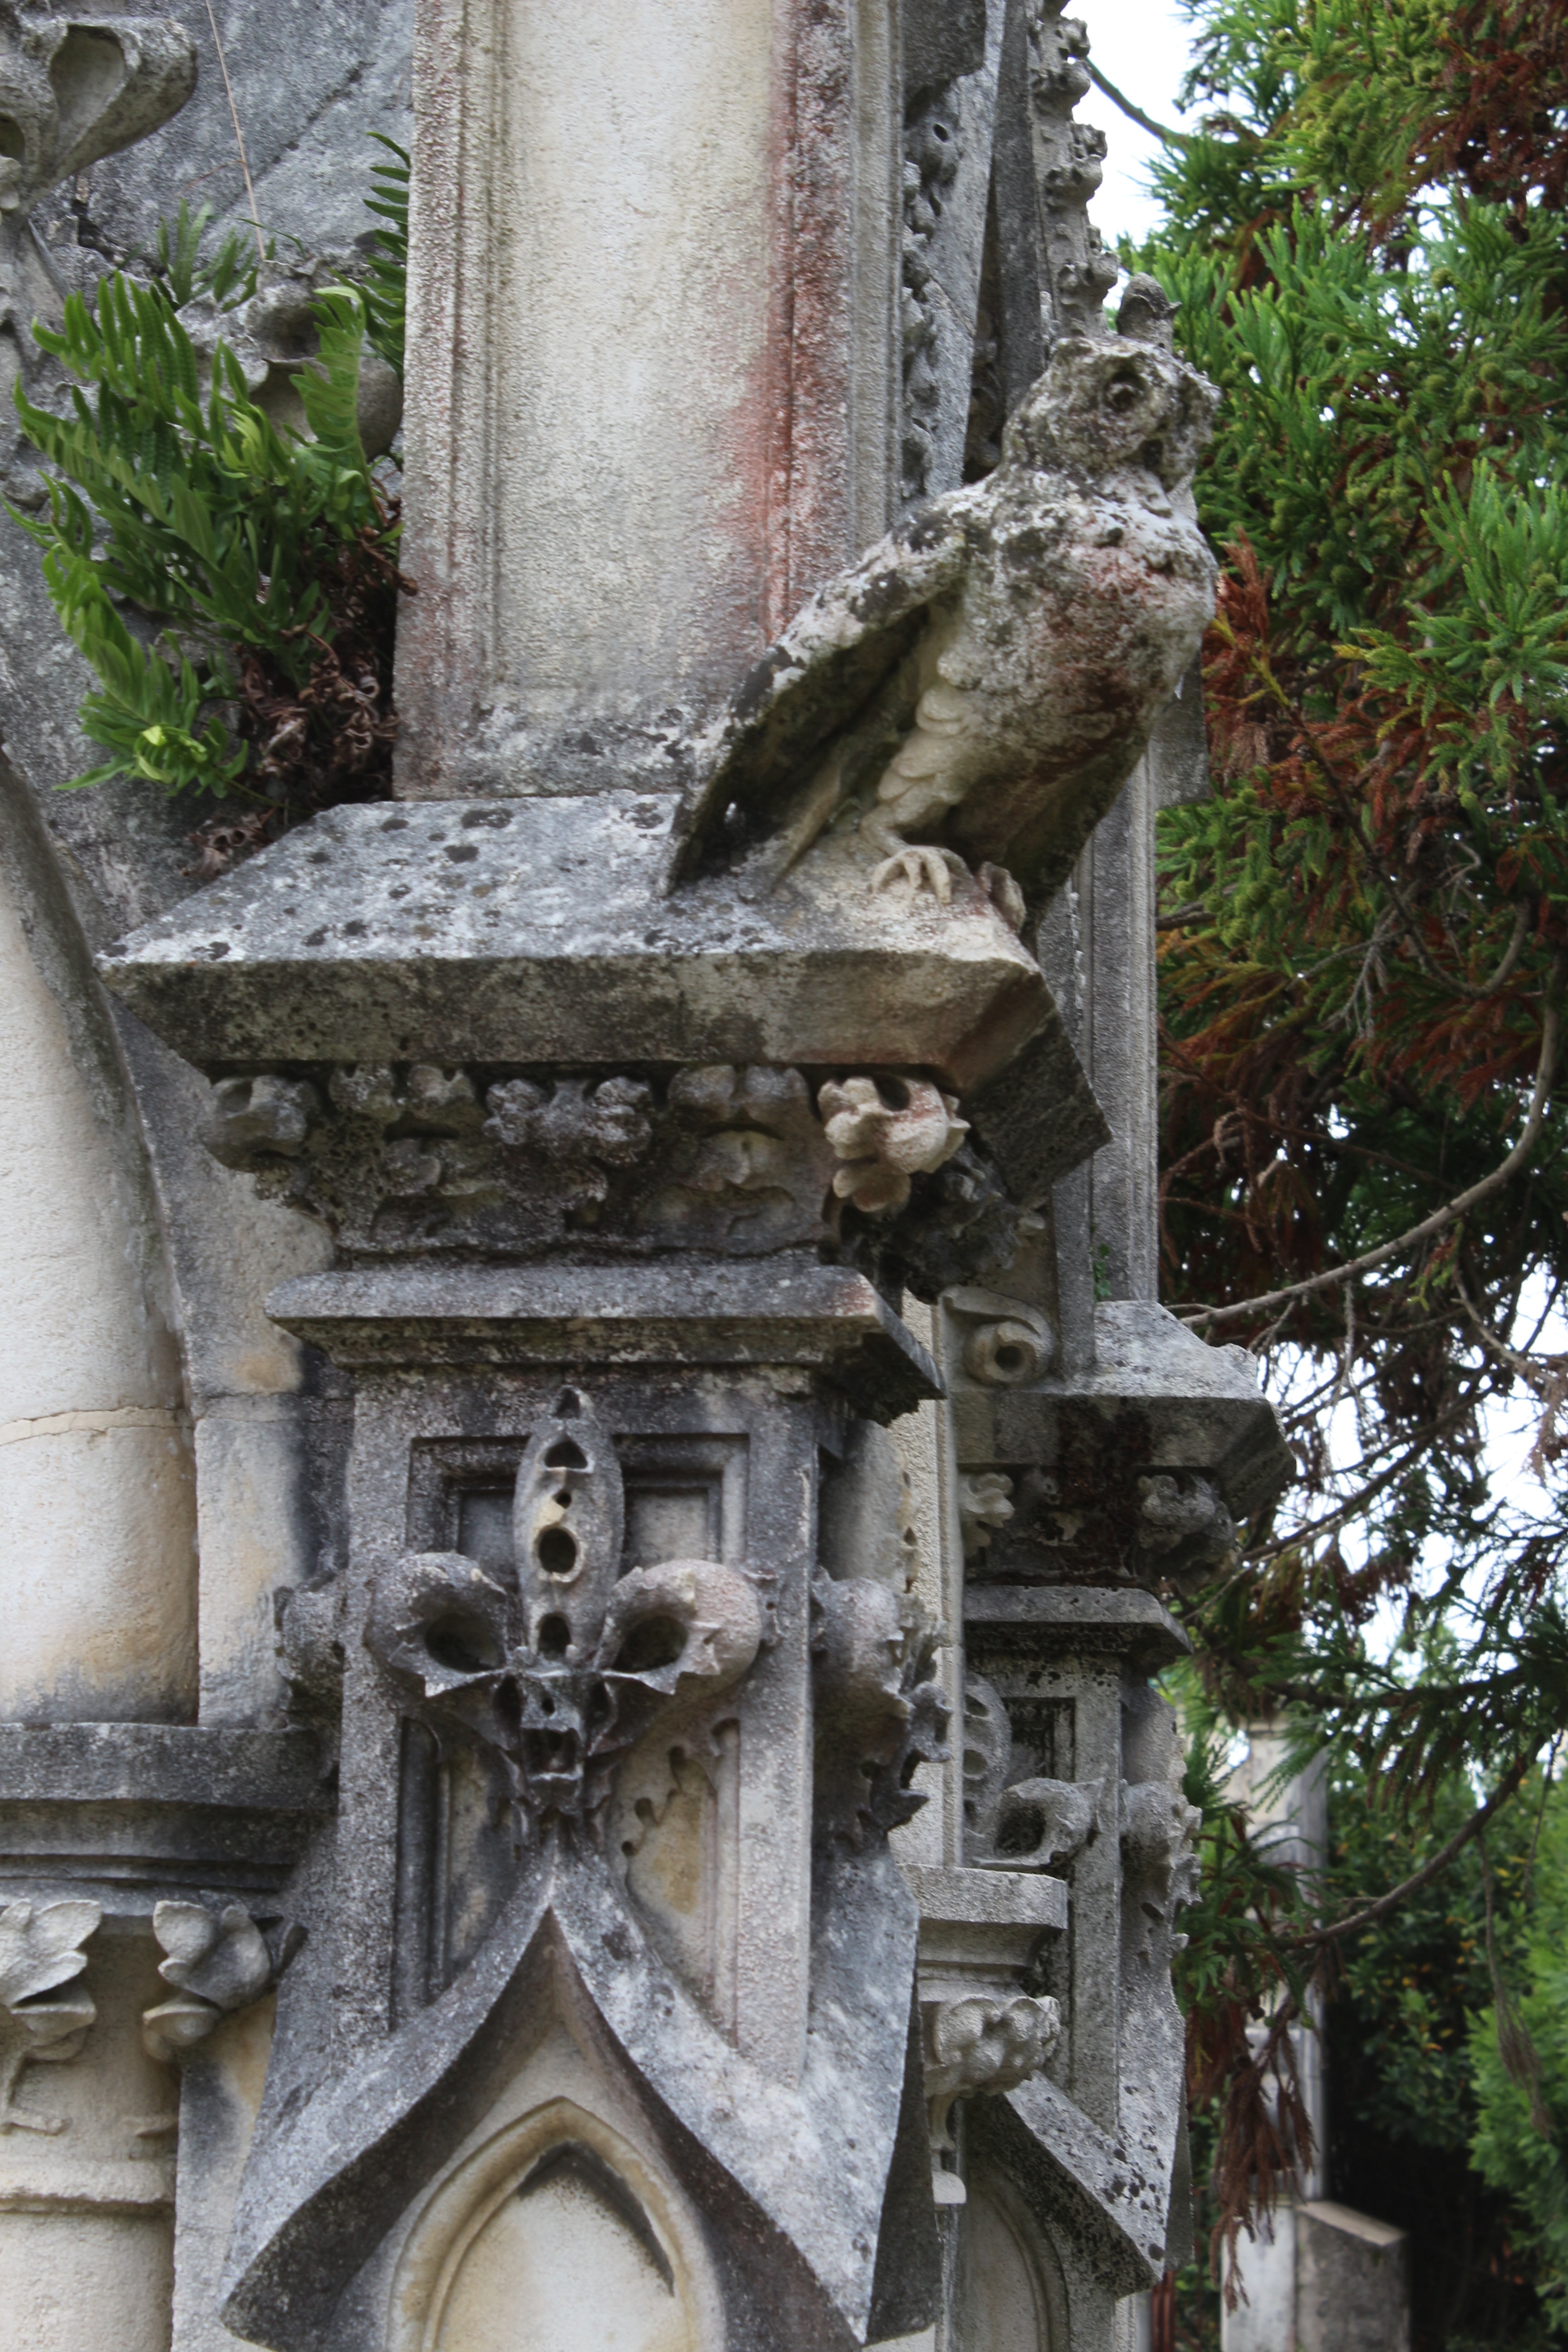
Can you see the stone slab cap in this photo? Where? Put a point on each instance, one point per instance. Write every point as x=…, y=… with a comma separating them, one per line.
x=986, y=1898
x=535, y=930
x=1079, y=1620
x=1158, y=1398
x=687, y=1312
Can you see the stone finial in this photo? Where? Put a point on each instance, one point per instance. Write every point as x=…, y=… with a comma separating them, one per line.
x=41, y=1951
x=218, y=1966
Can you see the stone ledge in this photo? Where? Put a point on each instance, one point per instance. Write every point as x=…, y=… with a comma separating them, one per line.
x=534, y=931
x=1158, y=1398
x=684, y=1312
x=130, y=1813
x=1076, y=1619
x=31, y=2184
x=987, y=1898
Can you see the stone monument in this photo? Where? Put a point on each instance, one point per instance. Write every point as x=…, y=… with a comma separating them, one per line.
x=597, y=1469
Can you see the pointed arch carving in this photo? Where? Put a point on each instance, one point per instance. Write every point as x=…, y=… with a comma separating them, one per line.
x=557, y=2194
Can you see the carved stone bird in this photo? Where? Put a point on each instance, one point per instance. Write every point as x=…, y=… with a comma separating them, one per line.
x=981, y=685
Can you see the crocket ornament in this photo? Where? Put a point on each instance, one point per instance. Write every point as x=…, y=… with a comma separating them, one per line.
x=960, y=708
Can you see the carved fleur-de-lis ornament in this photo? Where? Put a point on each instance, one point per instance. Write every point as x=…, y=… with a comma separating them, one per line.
x=559, y=1667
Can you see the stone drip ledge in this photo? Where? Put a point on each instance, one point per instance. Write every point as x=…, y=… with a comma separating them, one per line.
x=133, y=1813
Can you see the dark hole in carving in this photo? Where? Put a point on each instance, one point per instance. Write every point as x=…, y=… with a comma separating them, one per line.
x=568, y=1405
x=1022, y=1829
x=509, y=1703
x=564, y=1496
x=557, y=1552
x=656, y=1641
x=12, y=143
x=973, y=1762
x=571, y=2161
x=565, y=1455
x=1123, y=392
x=555, y=1637
x=464, y=1646
x=1011, y=1359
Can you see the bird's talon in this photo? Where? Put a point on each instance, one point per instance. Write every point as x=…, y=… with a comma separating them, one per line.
x=920, y=867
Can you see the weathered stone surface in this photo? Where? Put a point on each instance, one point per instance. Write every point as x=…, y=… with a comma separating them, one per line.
x=676, y=400
x=1353, y=2290
x=125, y=1814
x=534, y=933
x=692, y=1314
x=610, y=1195
x=1134, y=1470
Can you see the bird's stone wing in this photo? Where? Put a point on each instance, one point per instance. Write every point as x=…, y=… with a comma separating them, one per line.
x=809, y=686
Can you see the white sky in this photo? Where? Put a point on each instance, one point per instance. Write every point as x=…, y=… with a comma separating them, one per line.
x=1142, y=47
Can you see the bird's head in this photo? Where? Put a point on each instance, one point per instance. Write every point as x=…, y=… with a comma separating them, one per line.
x=1111, y=406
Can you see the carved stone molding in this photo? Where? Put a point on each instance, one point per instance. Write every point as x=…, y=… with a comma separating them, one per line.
x=40, y=1953
x=416, y=1157
x=218, y=1966
x=1007, y=1341
x=1068, y=161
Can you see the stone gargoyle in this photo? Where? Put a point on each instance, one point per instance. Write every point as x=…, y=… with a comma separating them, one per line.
x=981, y=685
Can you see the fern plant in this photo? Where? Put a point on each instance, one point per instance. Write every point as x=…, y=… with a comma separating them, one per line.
x=386, y=280
x=265, y=559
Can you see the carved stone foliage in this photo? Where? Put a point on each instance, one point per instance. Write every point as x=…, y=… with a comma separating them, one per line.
x=1185, y=1534
x=560, y=1668
x=984, y=1504
x=218, y=1964
x=741, y=1161
x=1158, y=1830
x=40, y=1954
x=886, y=1132
x=1069, y=159
x=930, y=162
x=1097, y=1518
x=1030, y=1824
x=984, y=2043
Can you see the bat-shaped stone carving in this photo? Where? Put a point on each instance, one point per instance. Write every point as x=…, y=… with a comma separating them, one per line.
x=981, y=685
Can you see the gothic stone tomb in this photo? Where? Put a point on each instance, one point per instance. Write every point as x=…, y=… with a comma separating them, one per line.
x=594, y=1472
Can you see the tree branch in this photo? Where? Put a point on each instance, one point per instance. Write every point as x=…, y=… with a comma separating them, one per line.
x=1441, y=1218
x=1444, y=1854
x=1135, y=113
